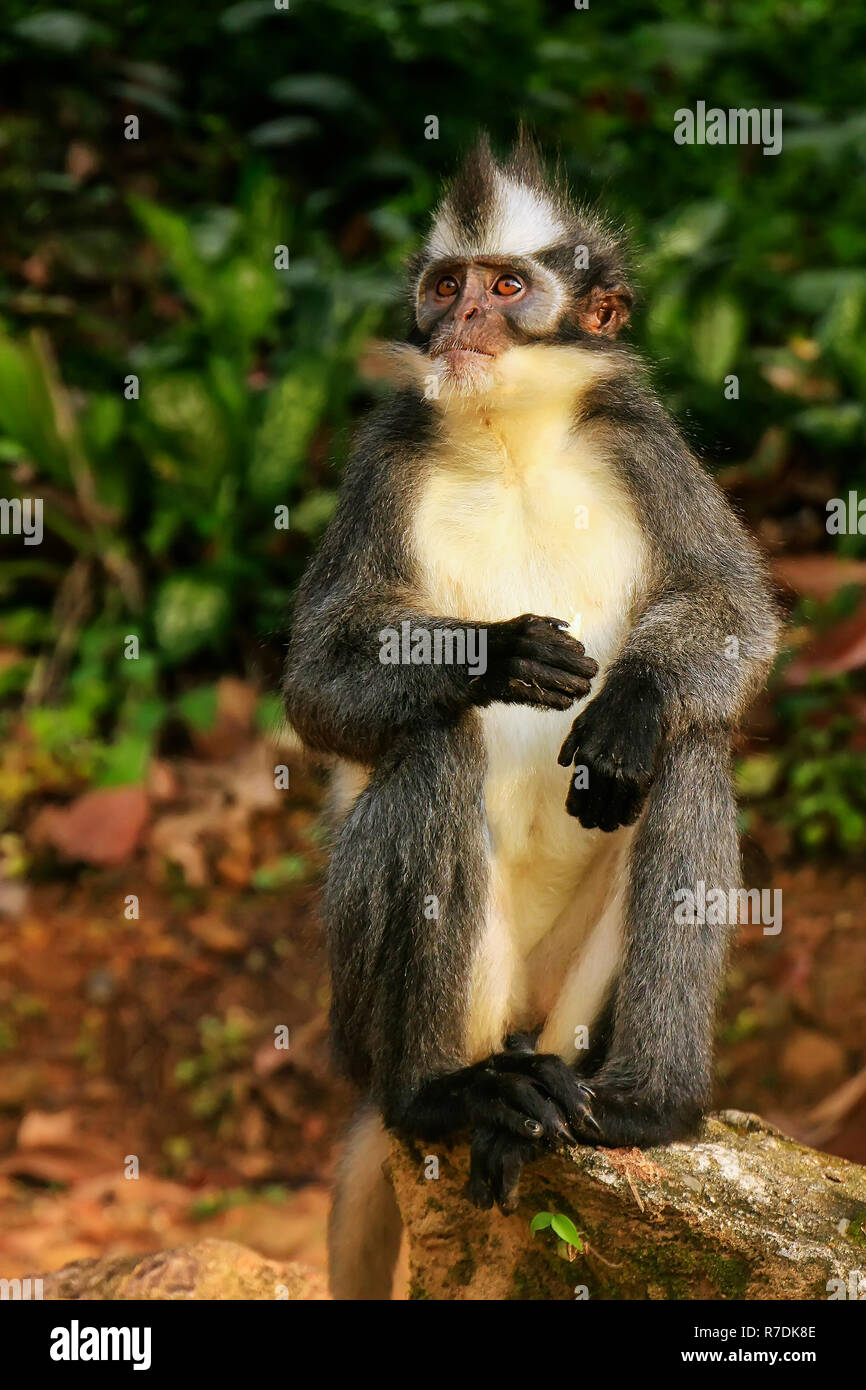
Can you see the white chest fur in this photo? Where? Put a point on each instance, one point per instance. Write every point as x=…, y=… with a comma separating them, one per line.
x=521, y=514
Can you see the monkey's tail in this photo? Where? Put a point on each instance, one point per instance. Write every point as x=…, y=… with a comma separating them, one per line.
x=364, y=1228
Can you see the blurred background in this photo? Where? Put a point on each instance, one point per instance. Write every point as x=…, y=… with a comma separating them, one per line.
x=165, y=390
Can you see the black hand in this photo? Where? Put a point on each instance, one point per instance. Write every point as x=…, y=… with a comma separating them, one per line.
x=534, y=661
x=616, y=740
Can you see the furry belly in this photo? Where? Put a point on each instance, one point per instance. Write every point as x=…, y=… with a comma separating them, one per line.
x=538, y=853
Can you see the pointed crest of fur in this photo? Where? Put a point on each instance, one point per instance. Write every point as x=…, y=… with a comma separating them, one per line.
x=507, y=208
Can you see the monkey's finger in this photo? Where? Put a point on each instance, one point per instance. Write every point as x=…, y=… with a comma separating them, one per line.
x=478, y=1189
x=550, y=678
x=571, y=744
x=559, y=1084
x=613, y=810
x=559, y=649
x=505, y=1165
x=631, y=803
x=521, y=692
x=512, y=1101
x=586, y=804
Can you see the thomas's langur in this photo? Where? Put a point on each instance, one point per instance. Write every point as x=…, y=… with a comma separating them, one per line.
x=517, y=807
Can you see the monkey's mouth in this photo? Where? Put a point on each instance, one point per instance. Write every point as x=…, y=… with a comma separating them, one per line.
x=460, y=351
x=456, y=349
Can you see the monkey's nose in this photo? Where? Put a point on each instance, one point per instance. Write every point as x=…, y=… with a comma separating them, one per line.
x=470, y=313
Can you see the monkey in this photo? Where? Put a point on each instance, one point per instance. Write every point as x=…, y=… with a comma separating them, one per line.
x=510, y=834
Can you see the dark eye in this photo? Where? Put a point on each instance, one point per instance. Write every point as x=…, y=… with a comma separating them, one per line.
x=508, y=285
x=446, y=286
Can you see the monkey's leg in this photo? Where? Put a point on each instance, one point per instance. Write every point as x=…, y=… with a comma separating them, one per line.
x=654, y=1081
x=408, y=911
x=364, y=1225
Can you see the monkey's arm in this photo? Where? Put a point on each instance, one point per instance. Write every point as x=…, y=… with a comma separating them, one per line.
x=341, y=697
x=704, y=631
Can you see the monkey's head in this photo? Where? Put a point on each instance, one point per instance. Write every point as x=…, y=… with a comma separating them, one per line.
x=510, y=261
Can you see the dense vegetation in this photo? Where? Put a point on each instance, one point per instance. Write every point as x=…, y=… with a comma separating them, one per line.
x=305, y=128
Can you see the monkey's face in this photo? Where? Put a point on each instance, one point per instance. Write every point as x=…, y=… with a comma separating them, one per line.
x=475, y=311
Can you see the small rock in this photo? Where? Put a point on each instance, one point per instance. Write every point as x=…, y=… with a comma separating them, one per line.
x=208, y=1270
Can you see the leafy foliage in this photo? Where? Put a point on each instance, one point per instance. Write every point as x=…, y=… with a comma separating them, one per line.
x=157, y=258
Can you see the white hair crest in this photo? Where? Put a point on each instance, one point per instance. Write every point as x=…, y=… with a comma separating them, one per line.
x=520, y=220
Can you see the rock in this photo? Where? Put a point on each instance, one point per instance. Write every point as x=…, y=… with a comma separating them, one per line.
x=209, y=1270
x=742, y=1212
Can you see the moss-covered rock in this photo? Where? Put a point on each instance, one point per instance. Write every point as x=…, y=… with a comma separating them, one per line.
x=741, y=1212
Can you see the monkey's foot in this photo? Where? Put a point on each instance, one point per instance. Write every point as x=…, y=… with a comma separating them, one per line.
x=555, y=1080
x=496, y=1164
x=546, y=1088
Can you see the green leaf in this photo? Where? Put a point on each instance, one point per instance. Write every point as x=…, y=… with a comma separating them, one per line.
x=286, y=130
x=101, y=423
x=27, y=409
x=757, y=775
x=541, y=1221
x=316, y=89
x=691, y=229
x=66, y=32
x=190, y=613
x=278, y=873
x=716, y=337
x=237, y=18
x=314, y=511
x=293, y=411
x=270, y=716
x=566, y=1230
x=124, y=761
x=199, y=707
x=173, y=236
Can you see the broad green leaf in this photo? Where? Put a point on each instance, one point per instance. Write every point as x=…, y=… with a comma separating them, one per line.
x=27, y=409
x=716, y=337
x=285, y=130
x=278, y=873
x=61, y=29
x=199, y=707
x=756, y=776
x=316, y=89
x=124, y=761
x=691, y=229
x=293, y=411
x=566, y=1230
x=190, y=613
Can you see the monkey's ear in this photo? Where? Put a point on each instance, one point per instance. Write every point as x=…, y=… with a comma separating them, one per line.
x=605, y=311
